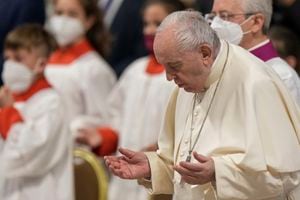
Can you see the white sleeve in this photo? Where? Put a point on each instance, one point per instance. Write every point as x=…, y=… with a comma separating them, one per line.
x=1, y=144
x=288, y=75
x=242, y=183
x=161, y=162
x=37, y=144
x=97, y=84
x=116, y=101
x=293, y=86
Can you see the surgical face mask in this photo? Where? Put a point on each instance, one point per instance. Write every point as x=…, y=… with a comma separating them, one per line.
x=17, y=76
x=229, y=31
x=148, y=41
x=66, y=30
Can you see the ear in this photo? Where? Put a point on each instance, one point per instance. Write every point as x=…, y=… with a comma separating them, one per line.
x=206, y=54
x=258, y=22
x=40, y=65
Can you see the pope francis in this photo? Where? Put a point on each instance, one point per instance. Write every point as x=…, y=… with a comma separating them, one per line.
x=231, y=128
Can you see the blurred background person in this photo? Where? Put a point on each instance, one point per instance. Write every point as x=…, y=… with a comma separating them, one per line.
x=287, y=44
x=36, y=156
x=15, y=13
x=77, y=69
x=138, y=101
x=246, y=23
x=122, y=17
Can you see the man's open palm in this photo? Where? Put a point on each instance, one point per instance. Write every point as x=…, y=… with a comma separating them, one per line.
x=132, y=165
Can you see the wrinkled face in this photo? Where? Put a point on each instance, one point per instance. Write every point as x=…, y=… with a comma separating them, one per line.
x=153, y=16
x=73, y=8
x=231, y=10
x=188, y=69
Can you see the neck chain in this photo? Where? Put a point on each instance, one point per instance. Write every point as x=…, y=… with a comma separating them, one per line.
x=197, y=99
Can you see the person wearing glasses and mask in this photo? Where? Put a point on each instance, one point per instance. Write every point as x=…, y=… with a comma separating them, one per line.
x=245, y=23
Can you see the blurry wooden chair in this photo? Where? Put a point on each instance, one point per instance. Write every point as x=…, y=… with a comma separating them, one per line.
x=91, y=182
x=161, y=197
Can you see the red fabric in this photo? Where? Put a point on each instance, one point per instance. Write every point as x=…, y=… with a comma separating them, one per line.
x=68, y=55
x=109, y=141
x=8, y=117
x=154, y=67
x=38, y=85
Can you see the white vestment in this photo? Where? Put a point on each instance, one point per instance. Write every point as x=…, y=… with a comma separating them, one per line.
x=36, y=157
x=85, y=84
x=137, y=106
x=286, y=73
x=251, y=132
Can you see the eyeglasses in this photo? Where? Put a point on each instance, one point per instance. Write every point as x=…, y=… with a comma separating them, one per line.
x=224, y=15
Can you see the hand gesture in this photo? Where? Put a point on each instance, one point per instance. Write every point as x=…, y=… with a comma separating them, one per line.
x=6, y=98
x=131, y=165
x=197, y=173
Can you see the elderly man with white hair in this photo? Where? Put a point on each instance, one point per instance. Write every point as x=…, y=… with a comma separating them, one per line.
x=231, y=130
x=246, y=23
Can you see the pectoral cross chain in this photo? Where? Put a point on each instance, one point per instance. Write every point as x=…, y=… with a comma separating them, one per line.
x=189, y=157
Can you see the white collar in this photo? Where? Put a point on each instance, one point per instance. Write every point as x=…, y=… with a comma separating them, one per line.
x=259, y=45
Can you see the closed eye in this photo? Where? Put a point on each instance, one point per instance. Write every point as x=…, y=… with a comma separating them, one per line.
x=175, y=65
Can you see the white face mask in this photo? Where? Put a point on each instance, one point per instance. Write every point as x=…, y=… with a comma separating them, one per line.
x=16, y=76
x=229, y=31
x=66, y=29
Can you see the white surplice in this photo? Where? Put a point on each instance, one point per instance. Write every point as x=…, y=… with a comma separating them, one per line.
x=36, y=157
x=85, y=84
x=286, y=73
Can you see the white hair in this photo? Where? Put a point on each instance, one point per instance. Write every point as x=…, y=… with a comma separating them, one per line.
x=262, y=6
x=191, y=30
